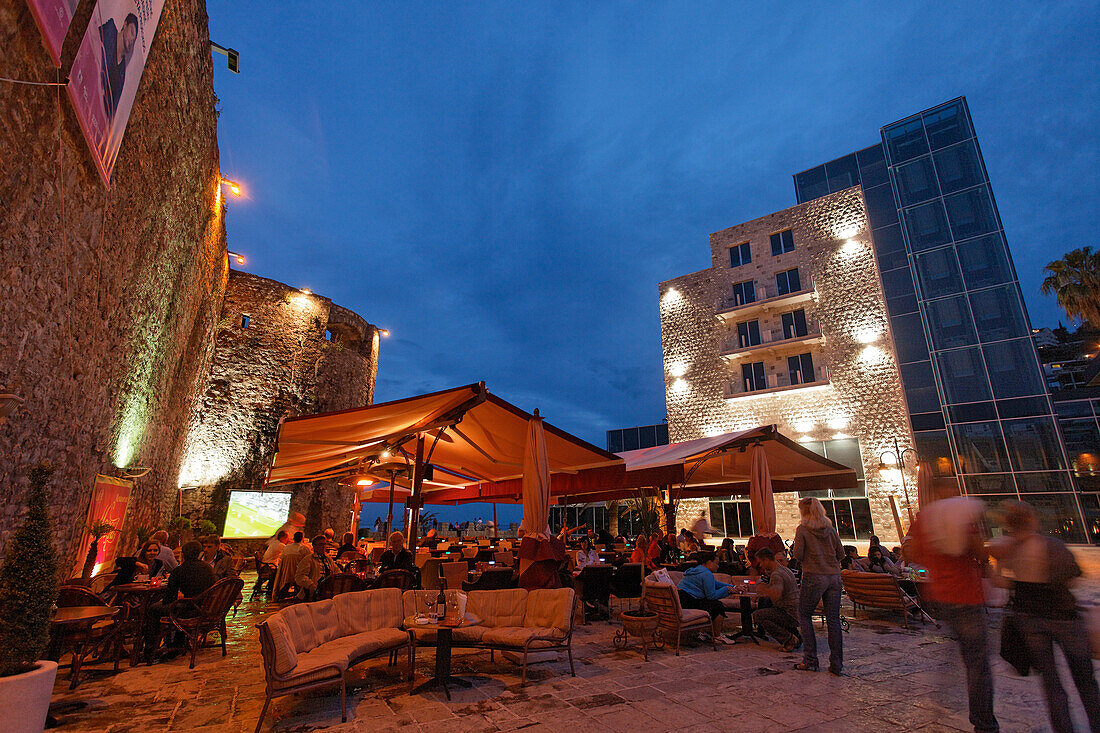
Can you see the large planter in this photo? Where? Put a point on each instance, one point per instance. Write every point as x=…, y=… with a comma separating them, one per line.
x=25, y=698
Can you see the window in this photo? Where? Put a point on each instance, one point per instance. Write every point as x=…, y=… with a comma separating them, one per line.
x=782, y=242
x=909, y=338
x=947, y=125
x=329, y=335
x=962, y=376
x=927, y=226
x=1013, y=369
x=872, y=166
x=842, y=173
x=246, y=321
x=939, y=273
x=990, y=483
x=920, y=387
x=800, y=369
x=971, y=213
x=890, y=248
x=933, y=447
x=794, y=324
x=753, y=376
x=984, y=262
x=881, y=209
x=748, y=334
x=811, y=184
x=998, y=314
x=981, y=448
x=740, y=255
x=917, y=182
x=744, y=292
x=950, y=323
x=905, y=140
x=787, y=282
x=732, y=518
x=1033, y=444
x=958, y=167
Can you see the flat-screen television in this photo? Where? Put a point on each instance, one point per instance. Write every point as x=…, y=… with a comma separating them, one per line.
x=255, y=514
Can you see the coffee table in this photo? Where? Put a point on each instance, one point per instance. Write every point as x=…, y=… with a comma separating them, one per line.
x=444, y=638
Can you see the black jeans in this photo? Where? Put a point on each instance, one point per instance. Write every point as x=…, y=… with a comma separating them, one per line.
x=970, y=624
x=713, y=607
x=777, y=623
x=1072, y=635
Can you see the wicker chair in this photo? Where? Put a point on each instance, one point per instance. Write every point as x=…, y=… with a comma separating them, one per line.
x=265, y=573
x=213, y=605
x=338, y=583
x=396, y=578
x=503, y=558
x=879, y=590
x=454, y=574
x=672, y=620
x=102, y=636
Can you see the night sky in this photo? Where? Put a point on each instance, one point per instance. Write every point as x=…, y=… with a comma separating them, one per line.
x=503, y=185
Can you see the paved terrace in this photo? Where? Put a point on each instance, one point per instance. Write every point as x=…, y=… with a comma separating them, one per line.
x=896, y=680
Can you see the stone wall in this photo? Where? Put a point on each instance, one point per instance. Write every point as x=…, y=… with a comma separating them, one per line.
x=107, y=297
x=298, y=354
x=863, y=397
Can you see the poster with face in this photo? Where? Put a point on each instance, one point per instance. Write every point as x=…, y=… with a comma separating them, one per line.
x=105, y=75
x=53, y=18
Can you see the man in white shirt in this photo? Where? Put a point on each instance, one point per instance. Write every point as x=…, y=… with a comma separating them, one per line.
x=275, y=547
x=166, y=556
x=288, y=561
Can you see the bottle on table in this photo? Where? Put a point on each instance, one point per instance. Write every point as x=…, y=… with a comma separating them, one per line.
x=440, y=604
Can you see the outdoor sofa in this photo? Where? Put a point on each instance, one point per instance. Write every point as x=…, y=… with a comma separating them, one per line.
x=310, y=645
x=509, y=619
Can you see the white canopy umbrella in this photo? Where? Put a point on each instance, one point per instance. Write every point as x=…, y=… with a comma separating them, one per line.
x=536, y=482
x=761, y=499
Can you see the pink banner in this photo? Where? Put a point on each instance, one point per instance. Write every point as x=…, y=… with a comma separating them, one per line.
x=53, y=18
x=110, y=497
x=106, y=72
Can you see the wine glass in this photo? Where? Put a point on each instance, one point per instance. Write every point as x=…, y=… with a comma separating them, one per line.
x=429, y=603
x=452, y=608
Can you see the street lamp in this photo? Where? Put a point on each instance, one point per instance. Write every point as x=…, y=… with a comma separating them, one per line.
x=234, y=187
x=897, y=462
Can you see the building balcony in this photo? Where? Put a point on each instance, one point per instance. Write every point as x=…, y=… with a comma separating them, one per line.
x=767, y=297
x=775, y=383
x=773, y=342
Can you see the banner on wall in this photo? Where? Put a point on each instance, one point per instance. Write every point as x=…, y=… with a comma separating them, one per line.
x=53, y=18
x=110, y=499
x=105, y=75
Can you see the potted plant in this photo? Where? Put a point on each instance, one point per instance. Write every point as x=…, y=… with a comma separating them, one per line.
x=176, y=529
x=207, y=528
x=28, y=589
x=98, y=530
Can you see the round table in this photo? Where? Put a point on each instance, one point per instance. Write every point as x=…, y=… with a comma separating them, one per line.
x=444, y=637
x=138, y=596
x=73, y=625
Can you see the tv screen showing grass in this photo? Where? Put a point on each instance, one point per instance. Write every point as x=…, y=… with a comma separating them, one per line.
x=255, y=514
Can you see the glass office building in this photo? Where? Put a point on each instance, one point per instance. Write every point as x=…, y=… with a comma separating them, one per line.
x=977, y=399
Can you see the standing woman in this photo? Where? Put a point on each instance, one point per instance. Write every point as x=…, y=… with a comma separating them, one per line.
x=817, y=547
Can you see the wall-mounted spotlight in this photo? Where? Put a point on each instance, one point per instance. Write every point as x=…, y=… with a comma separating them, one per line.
x=229, y=53
x=384, y=331
x=234, y=187
x=306, y=291
x=235, y=256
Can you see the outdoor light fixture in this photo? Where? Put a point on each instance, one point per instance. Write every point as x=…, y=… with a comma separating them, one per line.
x=238, y=257
x=306, y=291
x=384, y=332
x=895, y=461
x=231, y=54
x=234, y=187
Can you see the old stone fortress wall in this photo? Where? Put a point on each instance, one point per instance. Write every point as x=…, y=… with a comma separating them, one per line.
x=120, y=320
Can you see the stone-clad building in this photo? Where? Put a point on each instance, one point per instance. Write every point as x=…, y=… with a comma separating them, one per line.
x=788, y=326
x=120, y=323
x=278, y=351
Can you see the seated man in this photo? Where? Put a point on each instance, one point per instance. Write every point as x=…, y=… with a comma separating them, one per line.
x=777, y=583
x=314, y=568
x=189, y=579
x=699, y=589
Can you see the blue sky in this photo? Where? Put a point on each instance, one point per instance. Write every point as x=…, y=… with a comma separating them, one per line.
x=503, y=185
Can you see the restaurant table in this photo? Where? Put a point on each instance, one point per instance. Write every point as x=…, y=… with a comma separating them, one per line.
x=73, y=624
x=444, y=637
x=138, y=596
x=746, y=598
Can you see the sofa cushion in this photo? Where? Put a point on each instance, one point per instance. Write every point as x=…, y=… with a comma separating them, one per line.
x=550, y=608
x=325, y=624
x=351, y=648
x=517, y=636
x=300, y=623
x=468, y=634
x=367, y=610
x=311, y=667
x=498, y=607
x=286, y=656
x=689, y=615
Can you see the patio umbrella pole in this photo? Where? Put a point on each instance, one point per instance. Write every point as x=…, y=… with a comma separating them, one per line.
x=389, y=513
x=416, y=499
x=496, y=532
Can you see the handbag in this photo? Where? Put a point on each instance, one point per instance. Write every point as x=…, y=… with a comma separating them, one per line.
x=1013, y=647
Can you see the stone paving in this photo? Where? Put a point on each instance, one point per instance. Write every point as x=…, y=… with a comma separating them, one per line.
x=895, y=680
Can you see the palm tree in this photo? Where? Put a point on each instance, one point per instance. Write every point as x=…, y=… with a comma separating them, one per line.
x=1075, y=281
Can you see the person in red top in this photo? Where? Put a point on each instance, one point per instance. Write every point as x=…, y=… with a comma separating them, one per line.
x=946, y=538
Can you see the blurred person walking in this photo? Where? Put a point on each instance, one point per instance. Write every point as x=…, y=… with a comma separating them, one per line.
x=1041, y=569
x=946, y=538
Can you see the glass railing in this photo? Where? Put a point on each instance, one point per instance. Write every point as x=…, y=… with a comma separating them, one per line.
x=764, y=293
x=771, y=337
x=782, y=380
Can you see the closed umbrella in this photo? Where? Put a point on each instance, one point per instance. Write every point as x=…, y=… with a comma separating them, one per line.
x=925, y=489
x=761, y=500
x=536, y=482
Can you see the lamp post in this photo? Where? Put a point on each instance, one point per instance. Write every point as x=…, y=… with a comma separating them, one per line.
x=898, y=457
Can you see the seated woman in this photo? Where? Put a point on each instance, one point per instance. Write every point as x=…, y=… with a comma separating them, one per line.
x=851, y=559
x=642, y=554
x=877, y=562
x=144, y=563
x=586, y=555
x=396, y=557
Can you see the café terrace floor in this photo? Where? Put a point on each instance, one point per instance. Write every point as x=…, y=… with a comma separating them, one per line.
x=895, y=680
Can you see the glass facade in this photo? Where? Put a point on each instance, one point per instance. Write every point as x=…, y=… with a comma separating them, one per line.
x=977, y=399
x=644, y=436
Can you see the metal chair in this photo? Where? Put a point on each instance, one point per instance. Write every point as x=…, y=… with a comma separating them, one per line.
x=338, y=583
x=210, y=608
x=265, y=573
x=627, y=583
x=396, y=578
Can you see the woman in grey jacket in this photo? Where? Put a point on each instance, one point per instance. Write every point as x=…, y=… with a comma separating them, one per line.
x=817, y=546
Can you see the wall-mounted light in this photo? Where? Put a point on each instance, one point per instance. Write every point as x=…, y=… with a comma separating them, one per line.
x=671, y=296
x=231, y=54
x=234, y=187
x=306, y=291
x=384, y=332
x=235, y=256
